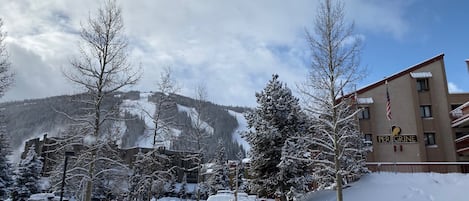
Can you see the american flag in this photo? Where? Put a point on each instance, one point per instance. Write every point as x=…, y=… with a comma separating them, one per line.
x=388, y=103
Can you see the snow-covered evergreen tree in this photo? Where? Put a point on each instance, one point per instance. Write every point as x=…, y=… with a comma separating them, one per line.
x=296, y=166
x=6, y=179
x=219, y=179
x=28, y=174
x=277, y=118
x=240, y=186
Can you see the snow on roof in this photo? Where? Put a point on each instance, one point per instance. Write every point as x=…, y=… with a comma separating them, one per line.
x=368, y=100
x=421, y=74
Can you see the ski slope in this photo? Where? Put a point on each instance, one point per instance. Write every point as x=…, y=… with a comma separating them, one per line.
x=242, y=127
x=194, y=116
x=143, y=109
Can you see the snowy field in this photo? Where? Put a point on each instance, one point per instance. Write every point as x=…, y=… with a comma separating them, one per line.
x=403, y=187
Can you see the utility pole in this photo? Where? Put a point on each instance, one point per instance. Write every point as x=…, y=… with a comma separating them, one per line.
x=67, y=154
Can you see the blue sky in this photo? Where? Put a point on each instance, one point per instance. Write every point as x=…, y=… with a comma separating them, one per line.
x=433, y=27
x=232, y=47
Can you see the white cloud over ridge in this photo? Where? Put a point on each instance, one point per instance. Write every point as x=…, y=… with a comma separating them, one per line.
x=231, y=46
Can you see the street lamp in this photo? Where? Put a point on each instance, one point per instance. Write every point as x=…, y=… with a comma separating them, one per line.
x=67, y=154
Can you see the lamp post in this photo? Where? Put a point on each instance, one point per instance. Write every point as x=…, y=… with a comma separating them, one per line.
x=67, y=154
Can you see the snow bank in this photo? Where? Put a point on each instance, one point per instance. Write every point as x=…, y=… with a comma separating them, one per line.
x=43, y=197
x=242, y=126
x=193, y=114
x=402, y=186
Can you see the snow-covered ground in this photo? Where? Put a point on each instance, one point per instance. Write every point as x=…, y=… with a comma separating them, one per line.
x=402, y=187
x=193, y=114
x=138, y=107
x=242, y=126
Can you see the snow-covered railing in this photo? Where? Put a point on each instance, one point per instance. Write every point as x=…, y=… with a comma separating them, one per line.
x=417, y=163
x=442, y=167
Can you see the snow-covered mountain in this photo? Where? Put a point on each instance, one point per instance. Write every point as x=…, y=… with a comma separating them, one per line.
x=33, y=118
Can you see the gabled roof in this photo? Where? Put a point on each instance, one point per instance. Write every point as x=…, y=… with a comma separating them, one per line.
x=402, y=73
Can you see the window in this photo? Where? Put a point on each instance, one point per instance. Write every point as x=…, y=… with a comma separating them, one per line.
x=425, y=111
x=364, y=113
x=422, y=84
x=368, y=140
x=429, y=139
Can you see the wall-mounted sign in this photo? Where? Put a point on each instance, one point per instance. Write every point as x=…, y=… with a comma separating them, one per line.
x=397, y=139
x=395, y=130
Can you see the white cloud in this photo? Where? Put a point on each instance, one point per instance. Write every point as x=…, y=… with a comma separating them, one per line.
x=453, y=88
x=381, y=16
x=232, y=46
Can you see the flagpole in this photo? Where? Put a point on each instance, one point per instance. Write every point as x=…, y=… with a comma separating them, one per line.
x=389, y=117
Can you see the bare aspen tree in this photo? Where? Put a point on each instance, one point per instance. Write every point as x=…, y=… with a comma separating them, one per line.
x=101, y=69
x=6, y=180
x=6, y=76
x=162, y=119
x=335, y=54
x=199, y=132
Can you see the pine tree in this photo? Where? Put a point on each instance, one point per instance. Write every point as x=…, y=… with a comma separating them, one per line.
x=6, y=179
x=28, y=175
x=296, y=167
x=219, y=179
x=277, y=118
x=240, y=186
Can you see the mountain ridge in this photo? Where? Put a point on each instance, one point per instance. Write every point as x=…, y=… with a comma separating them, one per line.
x=33, y=118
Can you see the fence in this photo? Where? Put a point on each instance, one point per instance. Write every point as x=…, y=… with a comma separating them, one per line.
x=441, y=167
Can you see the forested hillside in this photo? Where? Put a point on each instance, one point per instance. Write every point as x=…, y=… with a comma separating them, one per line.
x=33, y=118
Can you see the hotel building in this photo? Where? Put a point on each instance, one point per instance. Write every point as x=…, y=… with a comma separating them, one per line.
x=420, y=123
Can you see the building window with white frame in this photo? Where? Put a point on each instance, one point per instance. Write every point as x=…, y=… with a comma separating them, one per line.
x=364, y=113
x=425, y=111
x=429, y=139
x=422, y=84
x=368, y=140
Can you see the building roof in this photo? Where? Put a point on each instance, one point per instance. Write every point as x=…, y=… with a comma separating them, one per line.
x=400, y=74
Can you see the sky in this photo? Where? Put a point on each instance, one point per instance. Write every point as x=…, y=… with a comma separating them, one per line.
x=231, y=47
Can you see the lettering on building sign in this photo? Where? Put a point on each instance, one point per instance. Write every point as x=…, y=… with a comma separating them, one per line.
x=397, y=139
